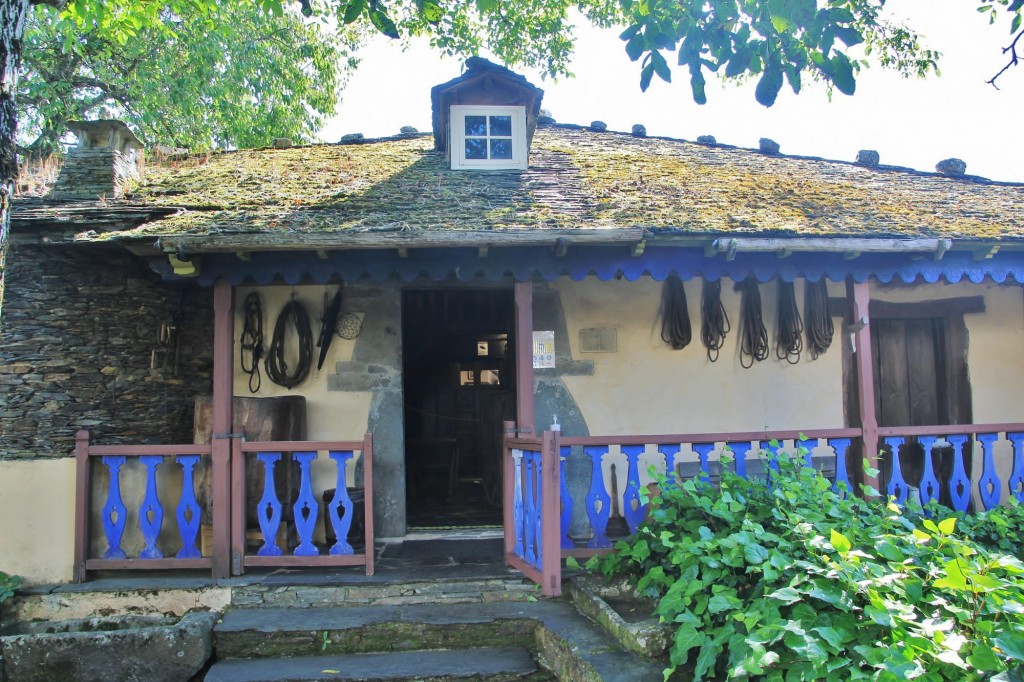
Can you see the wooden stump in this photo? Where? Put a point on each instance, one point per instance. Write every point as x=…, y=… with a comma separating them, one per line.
x=259, y=419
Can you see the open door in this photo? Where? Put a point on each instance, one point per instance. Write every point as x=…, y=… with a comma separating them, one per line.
x=459, y=380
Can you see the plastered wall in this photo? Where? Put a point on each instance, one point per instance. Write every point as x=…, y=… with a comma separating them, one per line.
x=37, y=500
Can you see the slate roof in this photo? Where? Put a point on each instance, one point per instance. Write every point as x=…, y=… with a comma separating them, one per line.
x=578, y=180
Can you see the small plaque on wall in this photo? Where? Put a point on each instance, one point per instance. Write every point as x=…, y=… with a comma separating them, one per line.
x=543, y=350
x=599, y=340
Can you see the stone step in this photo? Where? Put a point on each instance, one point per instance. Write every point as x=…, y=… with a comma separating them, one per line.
x=568, y=643
x=495, y=665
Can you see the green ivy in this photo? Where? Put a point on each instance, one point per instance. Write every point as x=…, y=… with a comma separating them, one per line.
x=8, y=584
x=788, y=580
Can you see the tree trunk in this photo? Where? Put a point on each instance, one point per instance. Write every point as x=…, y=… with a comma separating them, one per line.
x=12, y=28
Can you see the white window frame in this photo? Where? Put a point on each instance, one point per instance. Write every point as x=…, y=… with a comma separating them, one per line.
x=459, y=112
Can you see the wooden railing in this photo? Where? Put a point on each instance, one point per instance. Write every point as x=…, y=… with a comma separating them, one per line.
x=541, y=501
x=296, y=533
x=165, y=516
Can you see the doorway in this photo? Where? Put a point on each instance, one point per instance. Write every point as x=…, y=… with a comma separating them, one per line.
x=459, y=381
x=920, y=380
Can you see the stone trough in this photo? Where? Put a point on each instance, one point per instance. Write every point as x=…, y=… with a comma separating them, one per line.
x=627, y=617
x=108, y=649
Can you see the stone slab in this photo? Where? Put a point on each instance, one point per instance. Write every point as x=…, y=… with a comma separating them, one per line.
x=489, y=663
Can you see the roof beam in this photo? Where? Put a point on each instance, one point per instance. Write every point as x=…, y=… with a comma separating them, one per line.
x=849, y=246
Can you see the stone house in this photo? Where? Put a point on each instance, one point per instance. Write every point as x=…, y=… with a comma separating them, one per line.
x=648, y=295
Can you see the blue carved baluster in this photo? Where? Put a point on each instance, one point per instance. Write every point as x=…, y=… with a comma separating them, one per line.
x=341, y=524
x=563, y=491
x=806, y=446
x=669, y=452
x=897, y=486
x=269, y=510
x=538, y=509
x=841, y=445
x=959, y=483
x=740, y=450
x=989, y=487
x=771, y=451
x=599, y=507
x=151, y=512
x=305, y=510
x=1016, y=483
x=529, y=497
x=929, y=485
x=188, y=508
x=114, y=511
x=703, y=450
x=631, y=495
x=518, y=514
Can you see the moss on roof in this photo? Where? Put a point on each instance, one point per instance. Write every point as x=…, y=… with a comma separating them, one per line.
x=576, y=179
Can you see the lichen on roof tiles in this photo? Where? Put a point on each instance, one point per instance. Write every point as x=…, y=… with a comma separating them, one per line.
x=577, y=179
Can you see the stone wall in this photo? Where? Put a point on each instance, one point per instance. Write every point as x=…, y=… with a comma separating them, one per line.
x=78, y=330
x=94, y=173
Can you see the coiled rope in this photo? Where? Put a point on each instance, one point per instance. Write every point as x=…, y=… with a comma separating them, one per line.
x=714, y=323
x=250, y=345
x=277, y=365
x=675, y=314
x=789, y=333
x=753, y=335
x=819, y=321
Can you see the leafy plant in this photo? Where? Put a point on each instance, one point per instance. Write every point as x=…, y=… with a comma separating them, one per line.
x=784, y=579
x=8, y=585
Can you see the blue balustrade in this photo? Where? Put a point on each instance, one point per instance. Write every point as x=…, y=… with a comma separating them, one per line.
x=305, y=510
x=114, y=511
x=1016, y=482
x=632, y=508
x=959, y=482
x=669, y=452
x=268, y=511
x=897, y=486
x=929, y=485
x=530, y=507
x=188, y=508
x=598, y=500
x=771, y=450
x=151, y=512
x=739, y=450
x=518, y=513
x=341, y=523
x=703, y=450
x=538, y=507
x=565, y=519
x=989, y=485
x=842, y=482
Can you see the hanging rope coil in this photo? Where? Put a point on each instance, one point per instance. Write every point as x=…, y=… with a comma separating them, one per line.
x=714, y=323
x=753, y=335
x=250, y=345
x=276, y=364
x=789, y=342
x=675, y=314
x=819, y=321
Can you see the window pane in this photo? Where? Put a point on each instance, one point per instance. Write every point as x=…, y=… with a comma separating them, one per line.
x=501, y=126
x=476, y=148
x=476, y=126
x=501, y=149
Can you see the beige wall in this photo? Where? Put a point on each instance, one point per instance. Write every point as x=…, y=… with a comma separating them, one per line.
x=646, y=387
x=37, y=500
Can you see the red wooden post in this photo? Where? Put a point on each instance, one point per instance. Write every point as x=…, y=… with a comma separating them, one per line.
x=238, y=503
x=859, y=296
x=220, y=443
x=368, y=500
x=83, y=504
x=508, y=488
x=550, y=516
x=524, y=357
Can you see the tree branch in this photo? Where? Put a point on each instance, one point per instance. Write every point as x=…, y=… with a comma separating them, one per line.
x=1012, y=49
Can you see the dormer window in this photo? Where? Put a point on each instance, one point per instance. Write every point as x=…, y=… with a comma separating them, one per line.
x=488, y=137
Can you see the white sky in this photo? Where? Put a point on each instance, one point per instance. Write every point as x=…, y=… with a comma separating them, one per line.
x=912, y=123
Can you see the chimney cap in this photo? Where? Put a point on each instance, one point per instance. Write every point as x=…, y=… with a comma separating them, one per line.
x=105, y=133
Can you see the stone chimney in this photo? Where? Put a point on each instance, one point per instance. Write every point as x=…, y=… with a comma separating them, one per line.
x=107, y=158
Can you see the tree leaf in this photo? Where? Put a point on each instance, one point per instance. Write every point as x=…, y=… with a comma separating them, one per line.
x=839, y=542
x=1011, y=643
x=842, y=75
x=768, y=86
x=947, y=526
x=383, y=23
x=352, y=12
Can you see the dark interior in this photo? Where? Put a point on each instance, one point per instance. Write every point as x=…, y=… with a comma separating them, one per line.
x=459, y=382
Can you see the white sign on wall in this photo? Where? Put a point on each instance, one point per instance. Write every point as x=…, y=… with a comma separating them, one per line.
x=543, y=350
